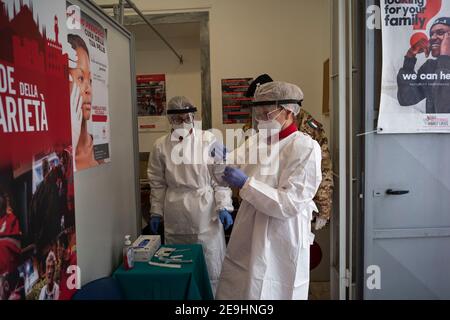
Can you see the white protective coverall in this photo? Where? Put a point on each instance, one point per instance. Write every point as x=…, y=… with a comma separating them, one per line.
x=268, y=254
x=188, y=198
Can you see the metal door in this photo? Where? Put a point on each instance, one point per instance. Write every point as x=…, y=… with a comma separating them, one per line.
x=407, y=236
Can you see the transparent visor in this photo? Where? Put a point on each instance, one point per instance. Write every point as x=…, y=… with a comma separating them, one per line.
x=187, y=118
x=266, y=113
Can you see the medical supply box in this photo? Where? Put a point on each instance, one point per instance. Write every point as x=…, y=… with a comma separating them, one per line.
x=145, y=247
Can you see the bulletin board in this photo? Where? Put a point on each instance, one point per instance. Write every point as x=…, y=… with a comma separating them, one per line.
x=235, y=106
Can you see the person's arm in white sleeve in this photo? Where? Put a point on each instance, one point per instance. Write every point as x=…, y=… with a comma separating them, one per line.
x=156, y=177
x=295, y=192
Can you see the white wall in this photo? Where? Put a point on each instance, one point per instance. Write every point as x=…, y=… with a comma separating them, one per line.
x=288, y=39
x=153, y=57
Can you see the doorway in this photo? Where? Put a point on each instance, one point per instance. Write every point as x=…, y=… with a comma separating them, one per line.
x=189, y=34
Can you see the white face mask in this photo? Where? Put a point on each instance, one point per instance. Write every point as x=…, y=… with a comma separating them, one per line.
x=184, y=125
x=182, y=129
x=273, y=127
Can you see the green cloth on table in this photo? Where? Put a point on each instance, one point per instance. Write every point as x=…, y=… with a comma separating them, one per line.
x=147, y=282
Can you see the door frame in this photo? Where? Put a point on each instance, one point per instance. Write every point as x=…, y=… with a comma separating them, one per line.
x=201, y=17
x=346, y=264
x=338, y=261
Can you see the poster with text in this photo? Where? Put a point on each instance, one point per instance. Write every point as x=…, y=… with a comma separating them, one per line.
x=415, y=94
x=88, y=73
x=151, y=95
x=37, y=216
x=235, y=106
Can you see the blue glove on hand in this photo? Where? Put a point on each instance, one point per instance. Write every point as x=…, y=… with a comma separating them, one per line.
x=218, y=151
x=226, y=219
x=155, y=221
x=235, y=177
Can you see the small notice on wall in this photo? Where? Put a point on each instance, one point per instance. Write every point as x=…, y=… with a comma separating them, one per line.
x=235, y=106
x=151, y=95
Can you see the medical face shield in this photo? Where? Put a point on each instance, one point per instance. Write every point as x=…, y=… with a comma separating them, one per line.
x=267, y=113
x=270, y=110
x=180, y=116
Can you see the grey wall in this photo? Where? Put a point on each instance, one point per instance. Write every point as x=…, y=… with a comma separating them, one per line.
x=105, y=196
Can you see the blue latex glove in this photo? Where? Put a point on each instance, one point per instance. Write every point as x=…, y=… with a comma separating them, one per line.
x=226, y=219
x=155, y=221
x=235, y=177
x=218, y=151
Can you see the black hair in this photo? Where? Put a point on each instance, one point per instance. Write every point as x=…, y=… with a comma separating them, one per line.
x=3, y=202
x=77, y=42
x=64, y=240
x=45, y=167
x=262, y=79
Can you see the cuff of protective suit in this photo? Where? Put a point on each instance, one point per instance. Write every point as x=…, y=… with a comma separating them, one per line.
x=229, y=209
x=153, y=214
x=246, y=188
x=247, y=183
x=157, y=209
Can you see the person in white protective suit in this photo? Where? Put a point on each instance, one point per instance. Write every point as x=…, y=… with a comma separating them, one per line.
x=268, y=253
x=183, y=191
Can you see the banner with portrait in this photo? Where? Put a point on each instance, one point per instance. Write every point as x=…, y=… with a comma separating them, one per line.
x=38, y=258
x=88, y=72
x=415, y=94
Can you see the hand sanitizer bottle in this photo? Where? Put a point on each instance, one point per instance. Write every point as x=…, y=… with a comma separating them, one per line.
x=128, y=254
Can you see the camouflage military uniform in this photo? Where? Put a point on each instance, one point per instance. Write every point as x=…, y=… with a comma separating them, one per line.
x=323, y=199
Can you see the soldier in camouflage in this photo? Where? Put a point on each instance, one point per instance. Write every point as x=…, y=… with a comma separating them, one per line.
x=308, y=125
x=323, y=199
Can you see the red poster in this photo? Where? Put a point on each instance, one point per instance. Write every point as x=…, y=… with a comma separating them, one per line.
x=37, y=215
x=151, y=95
x=235, y=107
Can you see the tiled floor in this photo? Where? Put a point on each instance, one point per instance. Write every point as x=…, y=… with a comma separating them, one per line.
x=319, y=291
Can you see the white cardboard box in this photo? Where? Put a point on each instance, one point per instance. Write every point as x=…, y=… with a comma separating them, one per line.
x=145, y=247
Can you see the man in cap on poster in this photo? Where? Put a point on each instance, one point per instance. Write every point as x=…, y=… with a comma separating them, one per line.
x=268, y=253
x=435, y=91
